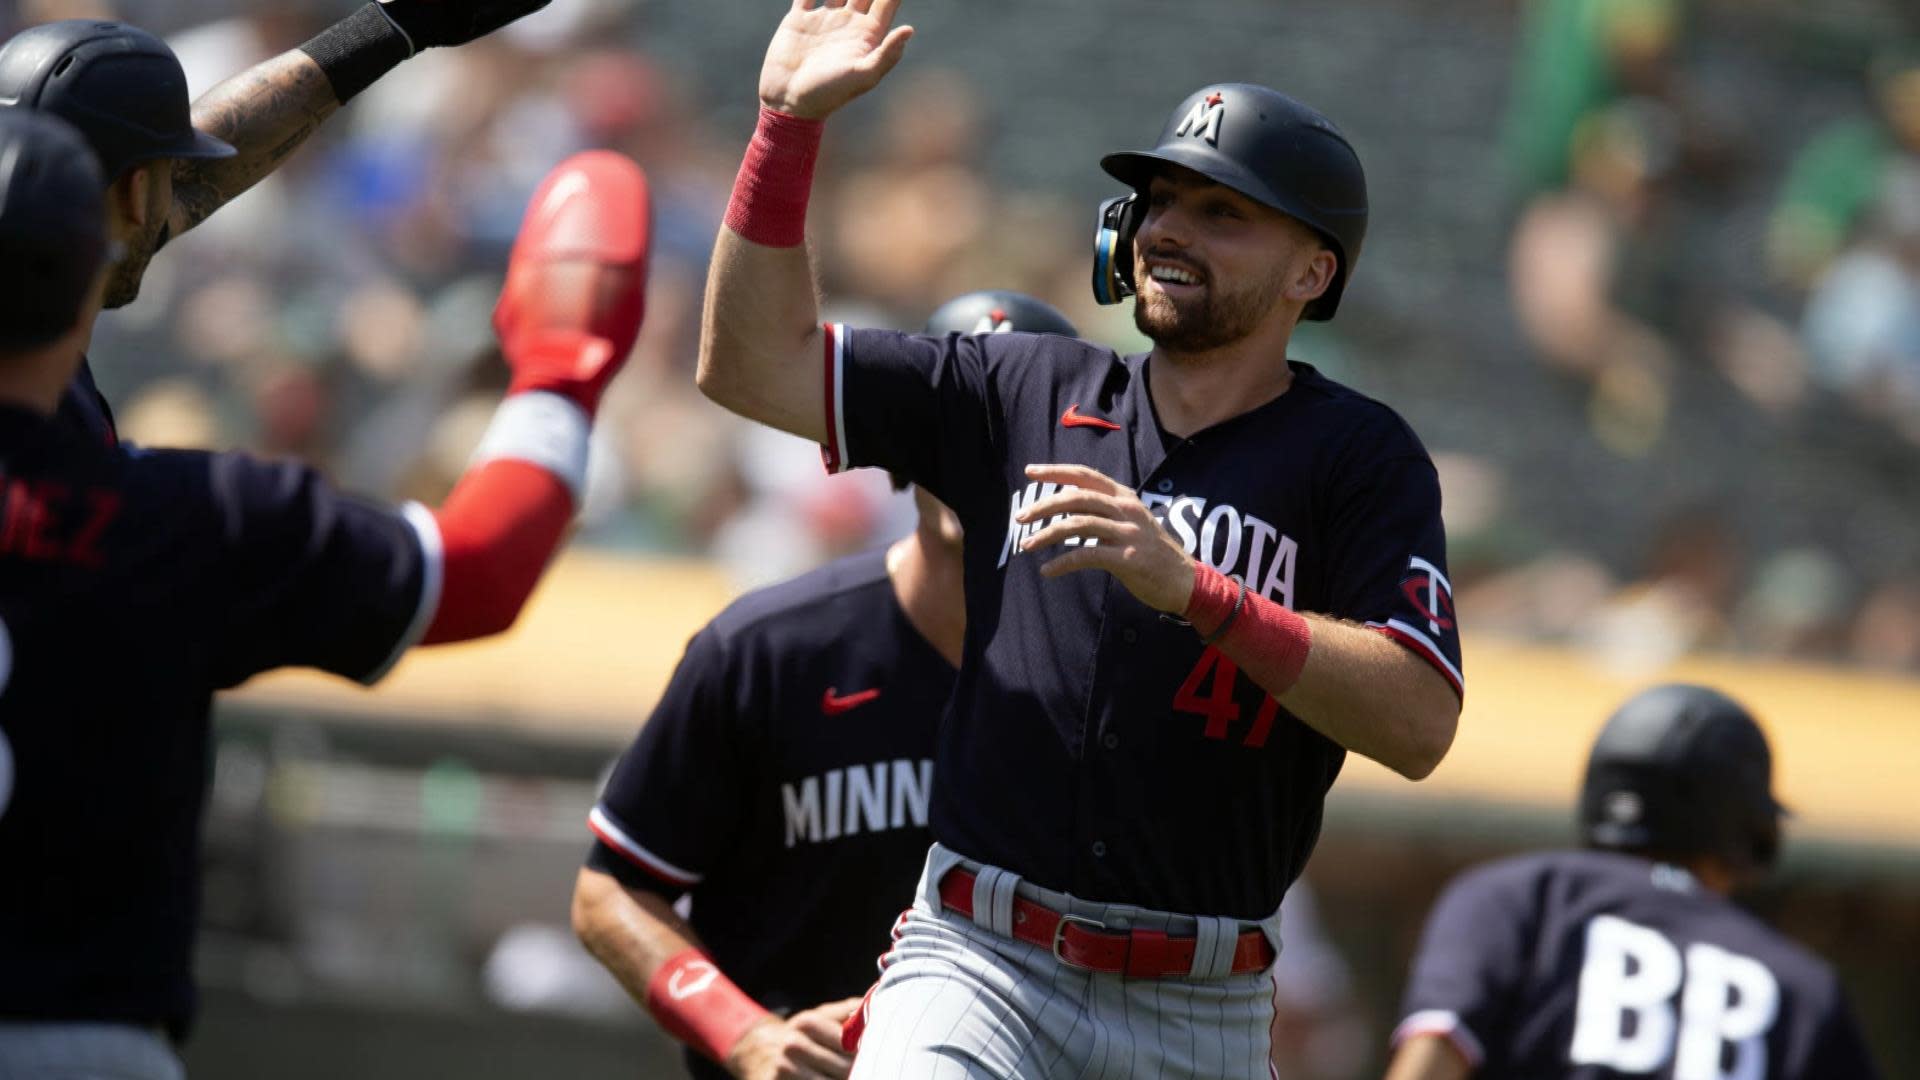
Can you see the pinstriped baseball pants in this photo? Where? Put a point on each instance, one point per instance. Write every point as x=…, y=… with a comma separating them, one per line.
x=62, y=1050
x=960, y=998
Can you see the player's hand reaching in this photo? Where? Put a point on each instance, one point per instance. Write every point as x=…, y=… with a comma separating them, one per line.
x=1131, y=545
x=431, y=23
x=804, y=1046
x=828, y=52
x=576, y=283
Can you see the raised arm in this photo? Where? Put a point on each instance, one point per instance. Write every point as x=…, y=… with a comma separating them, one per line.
x=267, y=111
x=761, y=346
x=567, y=319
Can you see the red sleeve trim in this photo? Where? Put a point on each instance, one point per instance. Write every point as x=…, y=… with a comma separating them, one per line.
x=833, y=454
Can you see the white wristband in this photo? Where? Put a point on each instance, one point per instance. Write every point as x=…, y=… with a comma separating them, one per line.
x=542, y=429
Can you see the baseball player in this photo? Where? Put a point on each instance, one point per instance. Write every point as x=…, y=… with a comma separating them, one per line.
x=1628, y=959
x=782, y=784
x=136, y=583
x=1146, y=718
x=170, y=165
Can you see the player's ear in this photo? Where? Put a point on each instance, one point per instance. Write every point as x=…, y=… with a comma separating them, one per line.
x=1313, y=276
x=133, y=196
x=127, y=198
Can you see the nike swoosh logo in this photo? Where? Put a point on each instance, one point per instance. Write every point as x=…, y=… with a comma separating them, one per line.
x=1072, y=418
x=833, y=705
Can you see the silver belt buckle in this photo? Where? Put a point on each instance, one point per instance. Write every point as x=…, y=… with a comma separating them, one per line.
x=1060, y=934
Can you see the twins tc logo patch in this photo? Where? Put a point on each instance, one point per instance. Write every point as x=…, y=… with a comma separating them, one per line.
x=1423, y=620
x=1428, y=590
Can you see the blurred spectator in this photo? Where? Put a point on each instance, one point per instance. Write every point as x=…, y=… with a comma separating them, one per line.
x=1797, y=606
x=1682, y=601
x=1886, y=633
x=1835, y=181
x=1590, y=266
x=1862, y=323
x=902, y=220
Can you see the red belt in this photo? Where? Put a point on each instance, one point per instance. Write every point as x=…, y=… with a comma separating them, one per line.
x=1086, y=943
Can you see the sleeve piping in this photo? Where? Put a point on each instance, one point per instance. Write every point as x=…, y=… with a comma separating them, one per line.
x=609, y=832
x=1445, y=1024
x=432, y=574
x=1416, y=641
x=834, y=454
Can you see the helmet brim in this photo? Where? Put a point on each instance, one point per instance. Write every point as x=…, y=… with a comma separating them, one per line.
x=1137, y=168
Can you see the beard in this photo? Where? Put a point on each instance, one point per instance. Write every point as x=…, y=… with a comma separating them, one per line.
x=123, y=281
x=127, y=272
x=1217, y=317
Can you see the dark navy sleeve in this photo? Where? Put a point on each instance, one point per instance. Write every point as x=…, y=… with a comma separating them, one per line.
x=1839, y=1048
x=1389, y=548
x=303, y=575
x=918, y=406
x=676, y=800
x=1471, y=964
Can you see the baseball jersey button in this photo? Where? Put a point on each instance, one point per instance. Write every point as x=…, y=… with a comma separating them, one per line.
x=1129, y=635
x=1164, y=486
x=1099, y=849
x=1110, y=741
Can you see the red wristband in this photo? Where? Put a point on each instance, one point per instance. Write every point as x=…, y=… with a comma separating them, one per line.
x=698, y=1005
x=1269, y=641
x=769, y=204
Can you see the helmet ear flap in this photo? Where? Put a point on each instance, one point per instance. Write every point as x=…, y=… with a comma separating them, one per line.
x=1118, y=220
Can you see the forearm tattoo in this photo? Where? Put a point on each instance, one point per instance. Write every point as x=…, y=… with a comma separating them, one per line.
x=266, y=112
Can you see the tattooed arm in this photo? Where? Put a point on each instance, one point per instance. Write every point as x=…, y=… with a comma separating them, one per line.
x=266, y=112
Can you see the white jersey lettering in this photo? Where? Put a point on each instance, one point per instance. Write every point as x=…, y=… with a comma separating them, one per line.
x=1629, y=971
x=843, y=802
x=1223, y=536
x=1632, y=973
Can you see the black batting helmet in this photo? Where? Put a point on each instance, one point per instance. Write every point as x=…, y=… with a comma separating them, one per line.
x=1262, y=144
x=1682, y=770
x=53, y=227
x=993, y=311
x=119, y=85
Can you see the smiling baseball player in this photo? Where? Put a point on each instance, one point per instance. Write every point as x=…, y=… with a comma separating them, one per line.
x=1195, y=580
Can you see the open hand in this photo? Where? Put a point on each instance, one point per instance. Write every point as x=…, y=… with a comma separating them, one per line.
x=1130, y=545
x=828, y=52
x=804, y=1046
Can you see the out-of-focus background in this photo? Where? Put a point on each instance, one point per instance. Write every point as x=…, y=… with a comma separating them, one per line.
x=1644, y=274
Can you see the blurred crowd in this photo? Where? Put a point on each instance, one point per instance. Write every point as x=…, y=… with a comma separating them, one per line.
x=1631, y=274
x=340, y=311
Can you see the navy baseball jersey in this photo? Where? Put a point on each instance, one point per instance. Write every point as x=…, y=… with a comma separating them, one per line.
x=783, y=781
x=1591, y=965
x=84, y=408
x=1095, y=746
x=132, y=585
